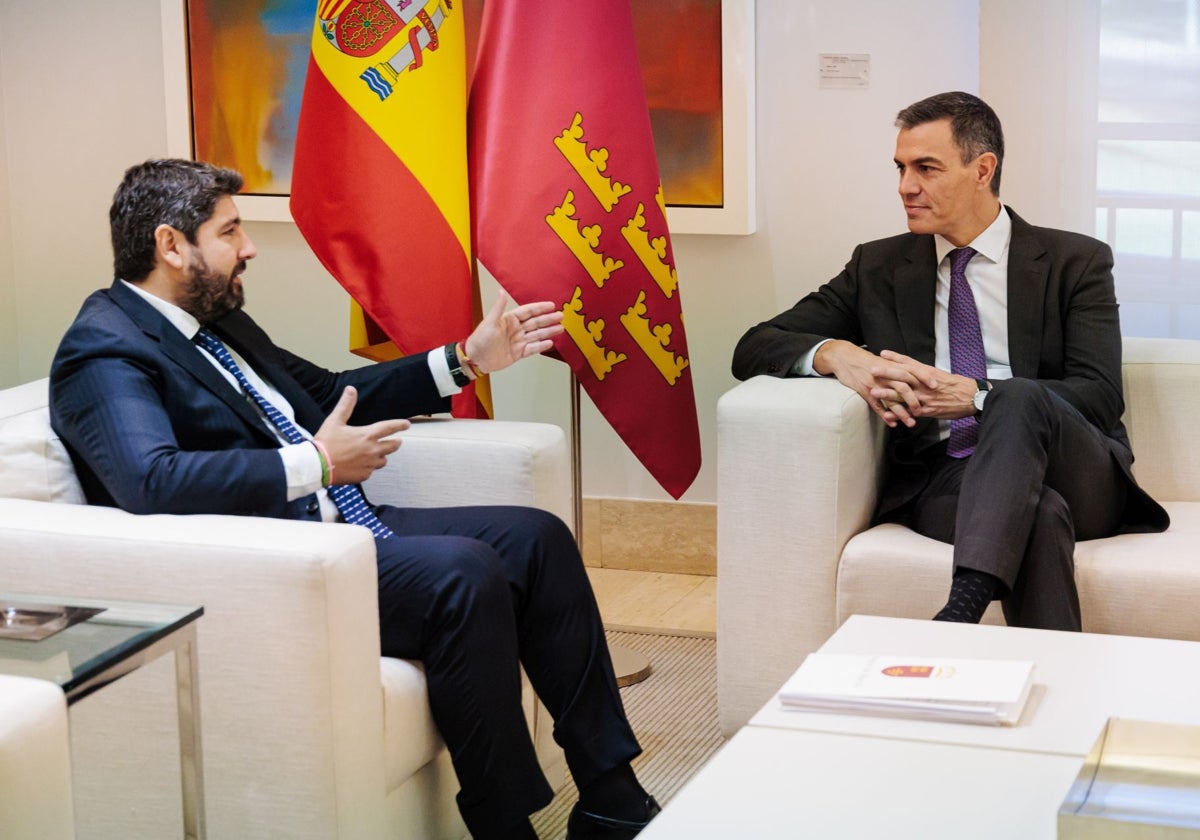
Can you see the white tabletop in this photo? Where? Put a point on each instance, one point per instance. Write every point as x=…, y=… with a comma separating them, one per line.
x=774, y=783
x=1080, y=681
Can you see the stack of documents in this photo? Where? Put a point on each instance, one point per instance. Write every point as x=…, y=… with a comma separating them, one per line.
x=988, y=691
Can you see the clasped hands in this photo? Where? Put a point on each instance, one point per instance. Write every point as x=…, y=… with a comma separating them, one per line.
x=502, y=338
x=897, y=387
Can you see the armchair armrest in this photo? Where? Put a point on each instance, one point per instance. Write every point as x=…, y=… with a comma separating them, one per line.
x=35, y=761
x=798, y=470
x=444, y=462
x=288, y=651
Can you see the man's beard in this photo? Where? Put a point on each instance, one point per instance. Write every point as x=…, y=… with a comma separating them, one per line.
x=211, y=295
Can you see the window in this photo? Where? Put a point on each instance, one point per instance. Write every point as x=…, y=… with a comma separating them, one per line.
x=1148, y=161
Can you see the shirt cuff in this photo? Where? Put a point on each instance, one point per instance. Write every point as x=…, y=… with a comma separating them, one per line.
x=804, y=365
x=302, y=468
x=441, y=372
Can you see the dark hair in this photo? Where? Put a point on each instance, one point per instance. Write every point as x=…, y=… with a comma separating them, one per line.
x=973, y=125
x=179, y=193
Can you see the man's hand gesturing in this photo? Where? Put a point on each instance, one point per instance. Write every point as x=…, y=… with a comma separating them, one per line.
x=356, y=451
x=506, y=337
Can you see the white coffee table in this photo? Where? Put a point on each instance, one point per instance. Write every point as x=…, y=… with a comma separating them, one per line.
x=801, y=774
x=783, y=784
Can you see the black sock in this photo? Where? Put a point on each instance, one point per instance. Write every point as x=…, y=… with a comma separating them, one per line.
x=615, y=793
x=970, y=594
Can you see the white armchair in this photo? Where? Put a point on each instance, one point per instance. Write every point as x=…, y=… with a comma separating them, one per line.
x=307, y=731
x=799, y=467
x=35, y=761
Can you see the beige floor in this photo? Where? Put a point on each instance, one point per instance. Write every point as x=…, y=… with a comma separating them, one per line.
x=658, y=601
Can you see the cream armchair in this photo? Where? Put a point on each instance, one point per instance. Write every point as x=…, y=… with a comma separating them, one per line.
x=799, y=466
x=35, y=761
x=307, y=731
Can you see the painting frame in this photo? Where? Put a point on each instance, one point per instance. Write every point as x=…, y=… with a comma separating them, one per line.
x=735, y=216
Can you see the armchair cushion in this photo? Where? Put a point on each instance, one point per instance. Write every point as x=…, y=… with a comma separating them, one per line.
x=410, y=736
x=34, y=464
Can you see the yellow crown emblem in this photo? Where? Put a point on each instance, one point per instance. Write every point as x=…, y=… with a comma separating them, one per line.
x=653, y=340
x=590, y=165
x=587, y=335
x=651, y=252
x=582, y=242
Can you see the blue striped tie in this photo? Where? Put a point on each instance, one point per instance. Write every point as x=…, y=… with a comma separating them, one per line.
x=348, y=498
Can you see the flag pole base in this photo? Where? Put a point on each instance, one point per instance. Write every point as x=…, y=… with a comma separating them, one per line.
x=630, y=666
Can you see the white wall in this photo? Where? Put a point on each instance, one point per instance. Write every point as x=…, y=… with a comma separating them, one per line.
x=8, y=293
x=826, y=176
x=1037, y=69
x=75, y=117
x=825, y=182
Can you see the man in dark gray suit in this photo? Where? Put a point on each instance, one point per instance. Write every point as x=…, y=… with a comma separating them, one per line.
x=992, y=351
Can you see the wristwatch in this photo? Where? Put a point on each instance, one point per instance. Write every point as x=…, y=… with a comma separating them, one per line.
x=981, y=394
x=456, y=372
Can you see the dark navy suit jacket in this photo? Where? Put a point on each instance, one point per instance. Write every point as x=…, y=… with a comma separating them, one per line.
x=153, y=427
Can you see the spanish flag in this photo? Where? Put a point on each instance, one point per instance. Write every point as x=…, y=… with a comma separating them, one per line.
x=379, y=184
x=568, y=206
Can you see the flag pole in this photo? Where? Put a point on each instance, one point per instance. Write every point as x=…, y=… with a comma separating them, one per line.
x=576, y=462
x=630, y=666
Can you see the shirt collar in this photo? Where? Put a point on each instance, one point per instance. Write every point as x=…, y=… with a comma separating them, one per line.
x=183, y=321
x=992, y=243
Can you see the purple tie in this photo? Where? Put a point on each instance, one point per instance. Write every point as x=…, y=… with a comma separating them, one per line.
x=966, y=348
x=349, y=499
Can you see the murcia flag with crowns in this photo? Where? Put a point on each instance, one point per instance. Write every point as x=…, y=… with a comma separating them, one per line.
x=379, y=184
x=568, y=206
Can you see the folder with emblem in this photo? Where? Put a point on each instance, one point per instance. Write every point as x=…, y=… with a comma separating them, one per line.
x=985, y=691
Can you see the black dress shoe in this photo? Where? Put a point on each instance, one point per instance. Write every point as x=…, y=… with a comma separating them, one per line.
x=582, y=825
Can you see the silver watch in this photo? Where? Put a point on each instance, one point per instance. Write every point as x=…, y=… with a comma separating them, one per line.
x=981, y=394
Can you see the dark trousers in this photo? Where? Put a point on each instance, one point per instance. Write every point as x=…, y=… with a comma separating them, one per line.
x=1040, y=478
x=473, y=593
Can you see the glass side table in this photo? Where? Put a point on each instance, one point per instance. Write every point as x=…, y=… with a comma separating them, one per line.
x=91, y=643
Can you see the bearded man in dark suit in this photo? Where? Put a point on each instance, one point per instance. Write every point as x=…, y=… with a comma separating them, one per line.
x=1013, y=450
x=171, y=399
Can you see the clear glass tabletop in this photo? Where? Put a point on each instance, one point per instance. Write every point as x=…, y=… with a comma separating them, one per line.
x=86, y=638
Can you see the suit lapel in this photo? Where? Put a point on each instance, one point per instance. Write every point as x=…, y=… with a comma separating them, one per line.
x=915, y=283
x=183, y=353
x=1027, y=276
x=255, y=347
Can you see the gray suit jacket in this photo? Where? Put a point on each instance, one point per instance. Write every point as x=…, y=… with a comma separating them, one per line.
x=1063, y=331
